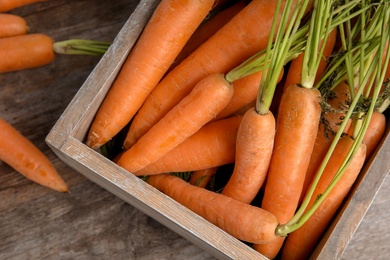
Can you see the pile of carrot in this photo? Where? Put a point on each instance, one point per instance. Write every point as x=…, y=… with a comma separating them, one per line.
x=21, y=50
x=296, y=109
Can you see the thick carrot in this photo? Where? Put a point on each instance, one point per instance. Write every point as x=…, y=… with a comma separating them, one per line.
x=25, y=52
x=23, y=156
x=12, y=25
x=235, y=42
x=204, y=102
x=254, y=145
x=170, y=27
x=300, y=243
x=212, y=146
x=296, y=129
x=333, y=114
x=207, y=29
x=242, y=221
x=201, y=178
x=8, y=5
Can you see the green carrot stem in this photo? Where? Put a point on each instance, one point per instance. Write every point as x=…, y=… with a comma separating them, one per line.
x=81, y=47
x=276, y=60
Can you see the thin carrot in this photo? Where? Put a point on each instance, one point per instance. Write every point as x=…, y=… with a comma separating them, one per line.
x=12, y=25
x=300, y=243
x=254, y=145
x=25, y=52
x=204, y=102
x=212, y=146
x=201, y=178
x=235, y=42
x=242, y=221
x=8, y=5
x=207, y=29
x=23, y=156
x=170, y=27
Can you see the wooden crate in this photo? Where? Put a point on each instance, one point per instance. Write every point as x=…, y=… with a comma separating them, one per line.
x=67, y=141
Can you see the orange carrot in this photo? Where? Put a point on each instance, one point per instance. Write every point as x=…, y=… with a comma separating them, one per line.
x=170, y=27
x=25, y=52
x=212, y=146
x=296, y=129
x=12, y=25
x=300, y=243
x=207, y=29
x=235, y=42
x=255, y=139
x=242, y=221
x=8, y=5
x=201, y=178
x=206, y=100
x=23, y=156
x=331, y=120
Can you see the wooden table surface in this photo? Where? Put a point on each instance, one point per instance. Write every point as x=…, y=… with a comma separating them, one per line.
x=89, y=222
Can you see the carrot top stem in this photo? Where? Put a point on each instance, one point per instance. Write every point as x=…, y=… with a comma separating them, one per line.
x=320, y=26
x=275, y=60
x=81, y=47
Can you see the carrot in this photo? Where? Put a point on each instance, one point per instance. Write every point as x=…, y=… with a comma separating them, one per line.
x=35, y=50
x=25, y=52
x=331, y=120
x=255, y=139
x=235, y=42
x=12, y=25
x=300, y=243
x=206, y=100
x=242, y=221
x=207, y=29
x=201, y=178
x=24, y=157
x=170, y=27
x=212, y=146
x=8, y=5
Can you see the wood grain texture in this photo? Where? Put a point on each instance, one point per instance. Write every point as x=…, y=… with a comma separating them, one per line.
x=90, y=222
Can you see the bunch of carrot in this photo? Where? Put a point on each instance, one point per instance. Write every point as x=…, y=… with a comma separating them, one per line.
x=290, y=107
